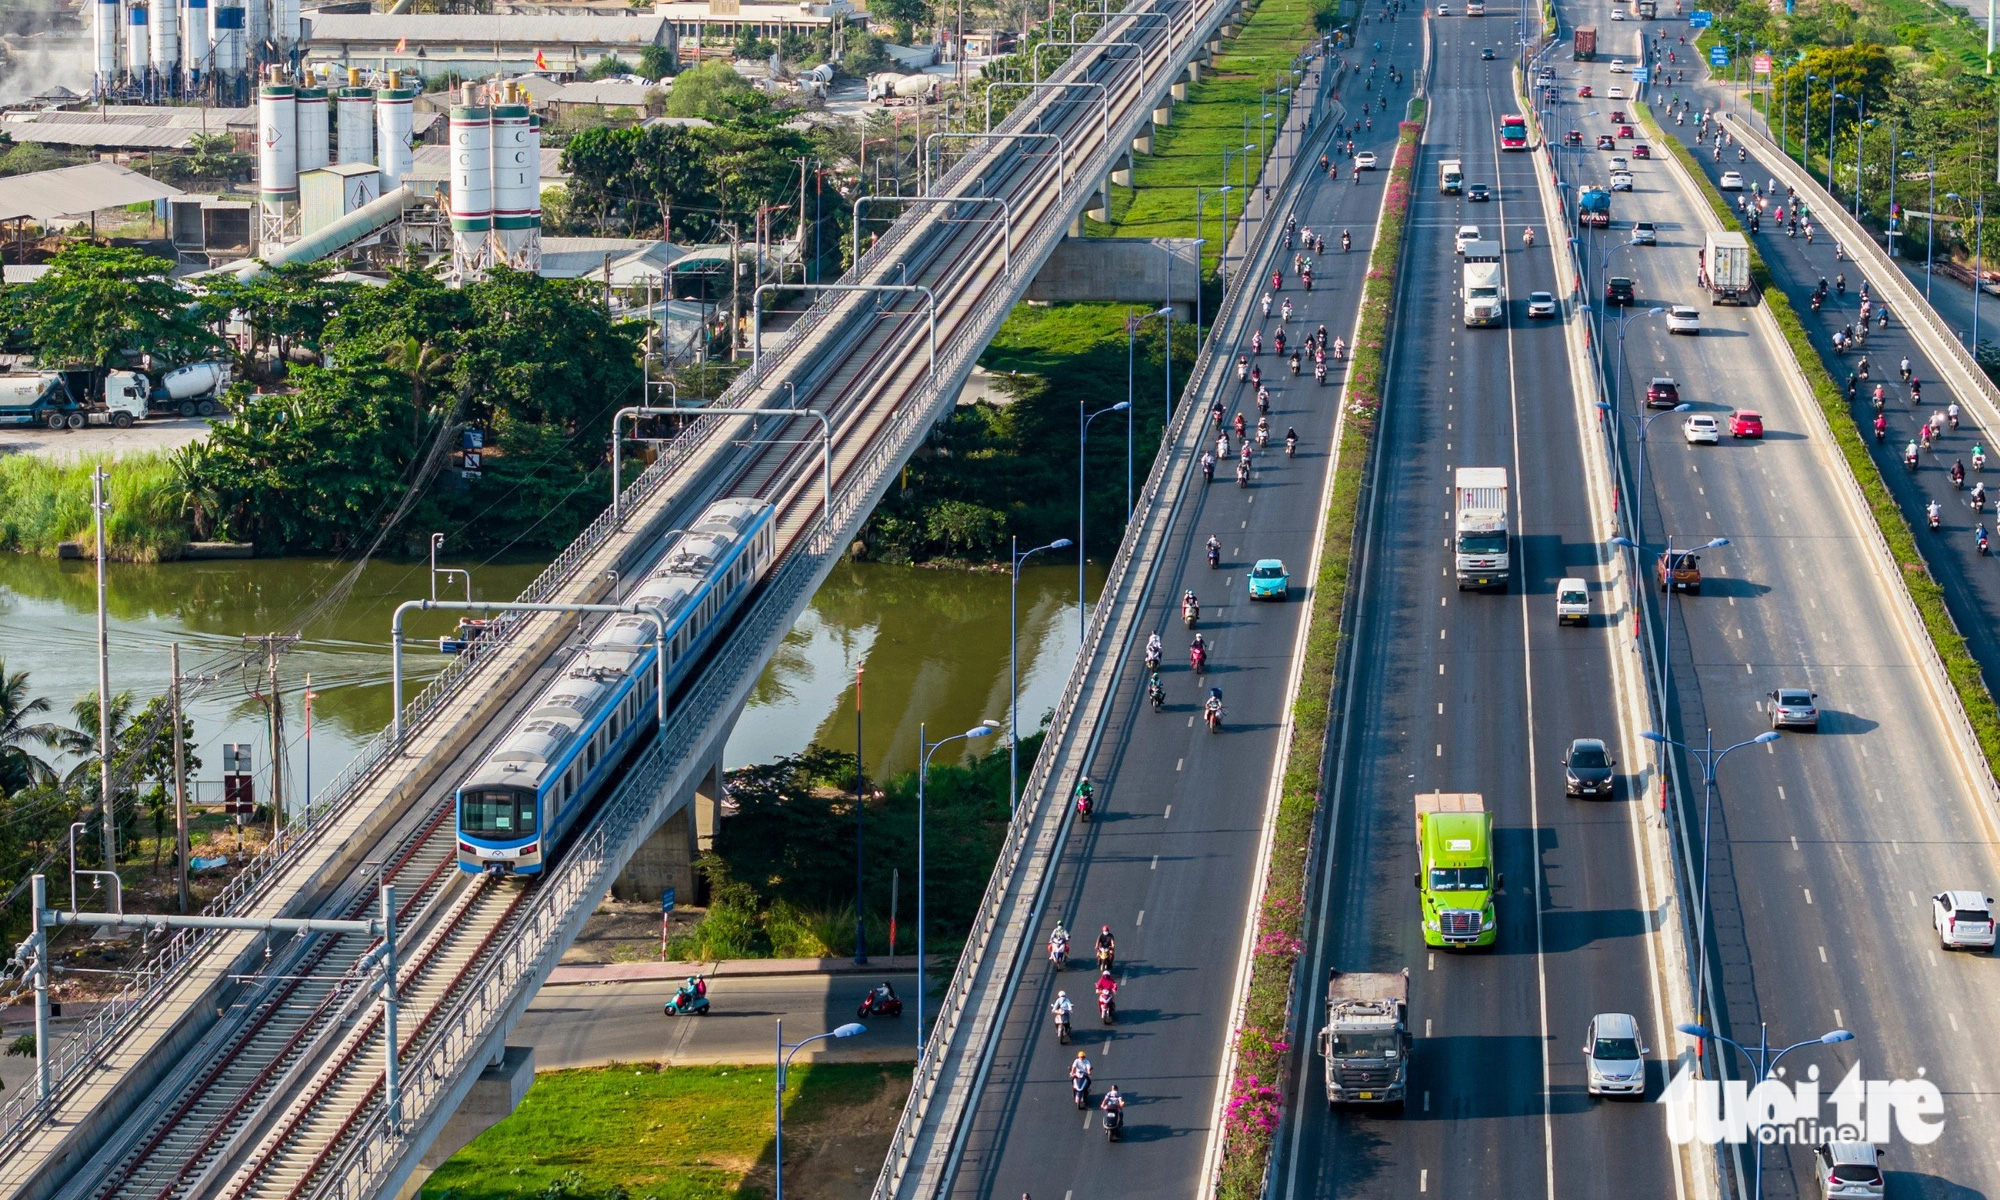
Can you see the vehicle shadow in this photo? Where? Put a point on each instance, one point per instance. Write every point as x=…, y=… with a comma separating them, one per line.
x=1834, y=721
x=1723, y=586
x=1564, y=930
x=1931, y=1187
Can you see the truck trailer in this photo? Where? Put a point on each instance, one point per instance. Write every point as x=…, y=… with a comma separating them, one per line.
x=1482, y=288
x=1480, y=536
x=1455, y=876
x=1586, y=43
x=1366, y=1038
x=1725, y=267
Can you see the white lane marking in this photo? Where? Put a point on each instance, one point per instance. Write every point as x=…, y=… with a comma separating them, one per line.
x=1953, y=1018
x=1432, y=965
x=1822, y=953
x=1795, y=841
x=1440, y=750
x=1156, y=863
x=1178, y=762
x=1167, y=814
x=1440, y=708
x=1427, y=1033
x=1427, y=1101
x=1141, y=920
x=1808, y=892
x=1440, y=635
x=1440, y=668
x=1836, y=1018
x=1424, y=1180
x=1913, y=899
x=1781, y=796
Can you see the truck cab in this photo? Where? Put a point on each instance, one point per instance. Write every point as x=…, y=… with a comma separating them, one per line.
x=1483, y=290
x=1455, y=876
x=1366, y=1038
x=1451, y=177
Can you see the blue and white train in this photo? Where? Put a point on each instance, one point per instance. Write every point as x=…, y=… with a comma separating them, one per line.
x=533, y=786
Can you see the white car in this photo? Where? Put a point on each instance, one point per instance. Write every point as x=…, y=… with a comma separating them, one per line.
x=1541, y=304
x=1365, y=161
x=1619, y=163
x=1616, y=93
x=1444, y=10
x=1683, y=319
x=1614, y=1056
x=1618, y=67
x=1849, y=1170
x=1621, y=181
x=1964, y=920
x=1467, y=234
x=1702, y=429
x=1731, y=181
x=1617, y=14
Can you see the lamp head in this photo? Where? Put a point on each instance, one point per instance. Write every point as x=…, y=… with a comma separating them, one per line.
x=1654, y=735
x=1680, y=408
x=1836, y=1036
x=1624, y=543
x=1121, y=406
x=1693, y=1029
x=1715, y=543
x=850, y=1029
x=1766, y=737
x=1061, y=544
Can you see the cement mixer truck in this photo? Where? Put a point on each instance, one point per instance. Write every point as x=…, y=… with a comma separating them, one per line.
x=891, y=88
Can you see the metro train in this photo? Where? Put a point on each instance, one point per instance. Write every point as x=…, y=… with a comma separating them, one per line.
x=531, y=789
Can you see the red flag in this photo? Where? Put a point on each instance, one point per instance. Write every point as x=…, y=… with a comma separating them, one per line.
x=541, y=63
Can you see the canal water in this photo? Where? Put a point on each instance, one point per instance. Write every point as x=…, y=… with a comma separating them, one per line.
x=929, y=646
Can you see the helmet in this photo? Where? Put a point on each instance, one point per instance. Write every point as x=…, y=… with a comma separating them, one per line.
x=1079, y=1054
x=1107, y=929
x=1062, y=995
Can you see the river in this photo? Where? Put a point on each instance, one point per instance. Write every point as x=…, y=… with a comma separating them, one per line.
x=931, y=646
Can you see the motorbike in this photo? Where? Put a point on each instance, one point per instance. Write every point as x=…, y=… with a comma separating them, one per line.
x=1157, y=696
x=1213, y=715
x=687, y=1002
x=1106, y=959
x=1190, y=615
x=1242, y=480
x=1937, y=522
x=1152, y=660
x=1197, y=659
x=1114, y=1124
x=1910, y=460
x=1982, y=543
x=1295, y=363
x=1062, y=1028
x=1319, y=374
x=874, y=1004
x=1208, y=470
x=1107, y=1008
x=1816, y=300
x=1059, y=954
x=1345, y=241
x=1263, y=435
x=1881, y=429
x=1214, y=557
x=1291, y=446
x=1085, y=803
x=1079, y=1087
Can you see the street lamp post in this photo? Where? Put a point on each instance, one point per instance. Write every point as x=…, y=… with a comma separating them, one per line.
x=1832, y=106
x=1222, y=255
x=925, y=749
x=784, y=1058
x=1637, y=498
x=1805, y=126
x=1930, y=230
x=1978, y=262
x=1763, y=1062
x=1017, y=556
x=1671, y=561
x=1082, y=440
x=1861, y=124
x=1131, y=378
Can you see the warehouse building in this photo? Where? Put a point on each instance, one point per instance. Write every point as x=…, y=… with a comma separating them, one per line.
x=480, y=46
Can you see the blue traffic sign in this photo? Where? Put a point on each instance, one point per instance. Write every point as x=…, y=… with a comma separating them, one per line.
x=667, y=902
x=1642, y=75
x=1718, y=56
x=1700, y=18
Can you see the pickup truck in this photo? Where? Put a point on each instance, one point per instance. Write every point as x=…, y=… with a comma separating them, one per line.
x=1686, y=573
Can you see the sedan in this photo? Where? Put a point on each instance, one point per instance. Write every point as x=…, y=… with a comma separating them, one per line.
x=1269, y=580
x=1626, y=131
x=1682, y=318
x=1618, y=68
x=1616, y=93
x=1444, y=10
x=1365, y=161
x=1645, y=233
x=1618, y=163
x=1731, y=181
x=1467, y=234
x=1574, y=137
x=1621, y=181
x=1478, y=193
x=1617, y=14
x=1964, y=920
x=1618, y=116
x=1641, y=150
x=1663, y=392
x=1541, y=304
x=1486, y=53
x=1793, y=708
x=1587, y=768
x=1584, y=92
x=1744, y=423
x=1606, y=142
x=1702, y=428
x=1614, y=1056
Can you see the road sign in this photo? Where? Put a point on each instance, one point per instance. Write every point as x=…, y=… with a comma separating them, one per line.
x=236, y=758
x=667, y=902
x=1761, y=64
x=1718, y=56
x=1642, y=75
x=1700, y=18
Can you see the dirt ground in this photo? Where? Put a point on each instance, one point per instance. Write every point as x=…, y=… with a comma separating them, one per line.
x=154, y=433
x=837, y=1153
x=625, y=931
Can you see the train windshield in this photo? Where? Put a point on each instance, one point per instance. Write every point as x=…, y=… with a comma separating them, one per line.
x=497, y=813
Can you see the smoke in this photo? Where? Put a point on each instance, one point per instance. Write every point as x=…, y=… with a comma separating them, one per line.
x=31, y=67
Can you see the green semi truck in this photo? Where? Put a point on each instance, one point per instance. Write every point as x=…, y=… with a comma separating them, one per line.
x=1455, y=874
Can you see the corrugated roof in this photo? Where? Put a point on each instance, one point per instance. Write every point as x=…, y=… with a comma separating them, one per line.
x=77, y=191
x=474, y=29
x=195, y=117
x=100, y=135
x=611, y=95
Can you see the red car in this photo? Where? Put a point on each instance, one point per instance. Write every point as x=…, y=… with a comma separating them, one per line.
x=1662, y=392
x=1606, y=142
x=1626, y=131
x=1746, y=424
x=1584, y=92
x=1618, y=116
x=1575, y=137
x=1641, y=150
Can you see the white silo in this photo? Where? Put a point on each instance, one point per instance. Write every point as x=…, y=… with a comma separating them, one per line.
x=516, y=174
x=256, y=27
x=354, y=117
x=104, y=39
x=137, y=42
x=228, y=60
x=285, y=18
x=471, y=184
x=314, y=148
x=197, y=55
x=394, y=113
x=277, y=161
x=166, y=31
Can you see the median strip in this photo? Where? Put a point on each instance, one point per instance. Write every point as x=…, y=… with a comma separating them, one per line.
x=1255, y=1089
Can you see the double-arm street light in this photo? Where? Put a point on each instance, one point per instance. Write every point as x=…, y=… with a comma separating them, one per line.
x=785, y=1052
x=1763, y=1060
x=1083, y=439
x=1132, y=323
x=1017, y=556
x=925, y=748
x=1636, y=499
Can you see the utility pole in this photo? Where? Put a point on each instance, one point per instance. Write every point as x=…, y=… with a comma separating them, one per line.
x=273, y=645
x=180, y=777
x=98, y=505
x=735, y=284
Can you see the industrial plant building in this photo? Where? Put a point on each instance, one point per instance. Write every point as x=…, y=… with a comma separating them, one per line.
x=481, y=45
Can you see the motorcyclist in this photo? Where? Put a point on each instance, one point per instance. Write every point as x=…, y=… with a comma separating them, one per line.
x=1910, y=454
x=1153, y=648
x=1198, y=650
x=1528, y=237
x=1238, y=424
x=1214, y=549
x=881, y=995
x=1085, y=793
x=1979, y=535
x=1062, y=1008
x=1979, y=497
x=1079, y=1078
x=1208, y=466
x=1189, y=605
x=1113, y=1105
x=1212, y=707
x=1346, y=241
x=1285, y=310
x=1905, y=368
x=1295, y=362
x=1155, y=690
x=1881, y=427
x=1058, y=944
x=1257, y=341
x=1951, y=414
x=1267, y=303
x=1339, y=349
x=1263, y=431
x=1957, y=473
x=1242, y=367
x=1291, y=441
x=1107, y=996
x=1256, y=378
x=1278, y=340
x=1935, y=514
x=1107, y=951
x=1222, y=444
x=1319, y=370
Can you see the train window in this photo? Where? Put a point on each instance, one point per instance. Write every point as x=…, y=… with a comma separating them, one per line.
x=497, y=813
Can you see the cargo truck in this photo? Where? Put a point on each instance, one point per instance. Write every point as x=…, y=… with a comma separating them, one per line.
x=1586, y=43
x=1480, y=541
x=1483, y=289
x=1366, y=1039
x=1648, y=9
x=73, y=399
x=1455, y=876
x=1594, y=207
x=1451, y=177
x=1725, y=268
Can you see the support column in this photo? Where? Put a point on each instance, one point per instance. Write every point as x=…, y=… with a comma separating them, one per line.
x=1100, y=209
x=497, y=1092
x=1163, y=116
x=666, y=859
x=1121, y=172
x=1142, y=143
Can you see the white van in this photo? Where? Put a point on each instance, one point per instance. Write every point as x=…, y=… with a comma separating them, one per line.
x=1451, y=177
x=1572, y=602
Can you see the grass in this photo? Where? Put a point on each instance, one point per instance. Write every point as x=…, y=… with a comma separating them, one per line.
x=679, y=1133
x=1923, y=588
x=1256, y=1094
x=45, y=502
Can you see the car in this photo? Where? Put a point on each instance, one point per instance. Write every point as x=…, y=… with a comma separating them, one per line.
x=1685, y=569
x=1645, y=233
x=1467, y=234
x=1614, y=1056
x=1621, y=181
x=1606, y=142
x=1626, y=131
x=1616, y=93
x=1365, y=161
x=1584, y=92
x=1587, y=768
x=1618, y=163
x=1701, y=428
x=1478, y=193
x=1618, y=66
x=1572, y=602
x=1964, y=920
x=1793, y=708
x=1849, y=1170
x=1269, y=580
x=1682, y=318
x=1486, y=53
x=1641, y=150
x=1618, y=290
x=1746, y=423
x=1618, y=116
x=1541, y=304
x=1444, y=10
x=1617, y=14
x=1574, y=137
x=1663, y=392
x=1731, y=181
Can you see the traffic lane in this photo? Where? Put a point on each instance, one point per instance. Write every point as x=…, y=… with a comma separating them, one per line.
x=1787, y=620
x=587, y=1026
x=1182, y=816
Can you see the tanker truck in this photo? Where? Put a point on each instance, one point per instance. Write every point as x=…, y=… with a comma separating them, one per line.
x=890, y=88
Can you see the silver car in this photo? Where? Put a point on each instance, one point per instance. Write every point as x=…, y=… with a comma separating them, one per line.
x=1849, y=1170
x=1793, y=708
x=1614, y=1056
x=1645, y=233
x=1541, y=304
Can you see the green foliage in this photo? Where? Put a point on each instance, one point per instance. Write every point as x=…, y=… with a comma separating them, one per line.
x=606, y=67
x=655, y=62
x=103, y=306
x=689, y=179
x=286, y=306
x=904, y=15
x=28, y=158
x=714, y=90
x=864, y=54
x=24, y=733
x=44, y=502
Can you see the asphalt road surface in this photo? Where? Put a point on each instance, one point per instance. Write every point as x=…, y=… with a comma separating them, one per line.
x=1462, y=691
x=1169, y=861
x=1827, y=847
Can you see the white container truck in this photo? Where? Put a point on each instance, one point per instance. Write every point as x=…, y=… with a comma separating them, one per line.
x=70, y=400
x=1480, y=537
x=1484, y=288
x=1725, y=268
x=1366, y=1038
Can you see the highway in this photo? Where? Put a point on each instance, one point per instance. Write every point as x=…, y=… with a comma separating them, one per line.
x=1169, y=861
x=1462, y=691
x=1826, y=847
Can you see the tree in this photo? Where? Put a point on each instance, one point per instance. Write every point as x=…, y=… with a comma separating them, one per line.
x=904, y=15
x=656, y=62
x=714, y=90
x=103, y=305
x=283, y=306
x=19, y=765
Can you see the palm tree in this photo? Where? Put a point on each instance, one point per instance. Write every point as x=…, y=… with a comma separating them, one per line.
x=20, y=766
x=420, y=362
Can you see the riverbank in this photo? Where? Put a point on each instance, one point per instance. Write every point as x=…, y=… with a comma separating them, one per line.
x=45, y=501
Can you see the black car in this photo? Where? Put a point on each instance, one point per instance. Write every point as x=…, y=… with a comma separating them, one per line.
x=1478, y=192
x=1587, y=768
x=1618, y=290
x=1486, y=52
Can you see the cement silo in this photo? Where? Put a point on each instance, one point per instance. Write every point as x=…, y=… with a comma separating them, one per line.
x=314, y=149
x=137, y=42
x=471, y=184
x=395, y=113
x=285, y=19
x=517, y=238
x=277, y=161
x=229, y=50
x=354, y=121
x=197, y=56
x=104, y=39
x=166, y=61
